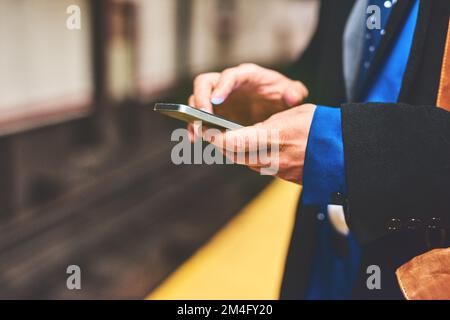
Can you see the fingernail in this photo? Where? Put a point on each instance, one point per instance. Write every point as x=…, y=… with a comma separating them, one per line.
x=217, y=100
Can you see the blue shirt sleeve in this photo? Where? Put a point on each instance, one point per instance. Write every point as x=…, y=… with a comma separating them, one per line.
x=324, y=171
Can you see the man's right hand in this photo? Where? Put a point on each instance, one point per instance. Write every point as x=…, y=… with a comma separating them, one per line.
x=246, y=94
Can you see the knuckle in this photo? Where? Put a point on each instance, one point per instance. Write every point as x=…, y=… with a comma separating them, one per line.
x=200, y=79
x=274, y=117
x=249, y=66
x=298, y=84
x=205, y=78
x=228, y=72
x=283, y=162
x=301, y=87
x=282, y=142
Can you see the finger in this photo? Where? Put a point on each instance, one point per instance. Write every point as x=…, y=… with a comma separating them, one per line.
x=230, y=79
x=257, y=159
x=254, y=157
x=190, y=126
x=191, y=101
x=248, y=139
x=225, y=85
x=197, y=130
x=265, y=170
x=256, y=169
x=203, y=87
x=191, y=134
x=295, y=94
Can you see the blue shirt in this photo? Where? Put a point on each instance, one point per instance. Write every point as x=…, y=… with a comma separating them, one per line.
x=332, y=275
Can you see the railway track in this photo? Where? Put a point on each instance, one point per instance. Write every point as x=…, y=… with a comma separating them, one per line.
x=127, y=229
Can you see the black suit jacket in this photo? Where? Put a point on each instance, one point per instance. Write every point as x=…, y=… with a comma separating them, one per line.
x=397, y=155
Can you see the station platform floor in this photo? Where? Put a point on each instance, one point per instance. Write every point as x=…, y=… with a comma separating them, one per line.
x=245, y=259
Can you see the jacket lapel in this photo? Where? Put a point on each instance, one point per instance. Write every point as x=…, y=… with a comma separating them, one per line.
x=417, y=49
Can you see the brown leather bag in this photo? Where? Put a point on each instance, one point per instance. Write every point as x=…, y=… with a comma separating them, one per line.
x=426, y=277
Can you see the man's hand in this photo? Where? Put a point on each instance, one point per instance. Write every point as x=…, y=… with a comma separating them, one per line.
x=287, y=136
x=246, y=94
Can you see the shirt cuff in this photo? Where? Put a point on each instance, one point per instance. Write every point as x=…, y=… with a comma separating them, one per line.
x=324, y=171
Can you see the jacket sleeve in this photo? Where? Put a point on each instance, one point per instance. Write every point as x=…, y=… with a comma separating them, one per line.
x=397, y=161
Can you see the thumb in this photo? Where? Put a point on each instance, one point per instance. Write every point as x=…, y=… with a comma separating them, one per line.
x=295, y=94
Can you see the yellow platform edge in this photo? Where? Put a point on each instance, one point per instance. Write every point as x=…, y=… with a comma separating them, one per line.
x=245, y=259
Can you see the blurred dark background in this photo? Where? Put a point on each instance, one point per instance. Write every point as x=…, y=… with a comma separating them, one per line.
x=86, y=176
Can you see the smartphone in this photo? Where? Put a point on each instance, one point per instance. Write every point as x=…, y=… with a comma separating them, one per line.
x=189, y=114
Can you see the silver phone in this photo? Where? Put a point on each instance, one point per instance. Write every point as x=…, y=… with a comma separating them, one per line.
x=189, y=114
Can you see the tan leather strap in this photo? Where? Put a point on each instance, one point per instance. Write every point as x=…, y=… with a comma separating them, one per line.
x=444, y=87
